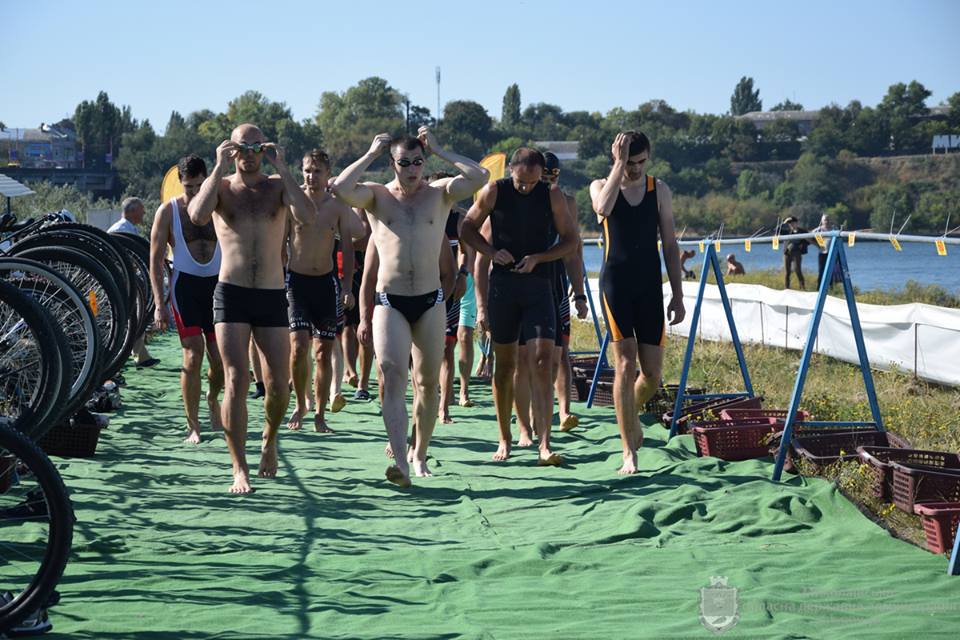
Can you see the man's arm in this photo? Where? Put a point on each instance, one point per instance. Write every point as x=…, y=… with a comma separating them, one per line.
x=574, y=263
x=201, y=208
x=472, y=175
x=159, y=240
x=603, y=193
x=291, y=196
x=565, y=229
x=345, y=219
x=346, y=185
x=368, y=289
x=481, y=280
x=671, y=253
x=448, y=268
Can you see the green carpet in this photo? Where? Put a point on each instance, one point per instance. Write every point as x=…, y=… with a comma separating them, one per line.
x=481, y=550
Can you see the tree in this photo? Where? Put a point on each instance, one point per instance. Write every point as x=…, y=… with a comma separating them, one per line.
x=349, y=121
x=953, y=116
x=902, y=107
x=510, y=115
x=100, y=125
x=419, y=117
x=255, y=108
x=744, y=98
x=466, y=117
x=787, y=105
x=3, y=127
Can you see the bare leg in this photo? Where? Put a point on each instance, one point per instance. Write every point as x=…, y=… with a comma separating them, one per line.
x=503, y=373
x=335, y=385
x=428, y=353
x=232, y=341
x=650, y=358
x=190, y=384
x=540, y=361
x=624, y=402
x=561, y=387
x=366, y=363
x=257, y=366
x=392, y=341
x=465, y=363
x=446, y=380
x=140, y=353
x=214, y=384
x=349, y=346
x=323, y=355
x=300, y=370
x=521, y=397
x=274, y=344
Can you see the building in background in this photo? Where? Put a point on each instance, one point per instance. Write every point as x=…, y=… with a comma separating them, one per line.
x=51, y=146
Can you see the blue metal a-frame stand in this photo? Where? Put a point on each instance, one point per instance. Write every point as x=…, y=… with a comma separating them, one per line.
x=710, y=263
x=835, y=255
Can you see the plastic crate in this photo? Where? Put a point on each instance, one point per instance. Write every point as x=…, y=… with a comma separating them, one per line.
x=914, y=485
x=708, y=409
x=730, y=440
x=738, y=413
x=821, y=447
x=879, y=460
x=666, y=397
x=939, y=524
x=72, y=440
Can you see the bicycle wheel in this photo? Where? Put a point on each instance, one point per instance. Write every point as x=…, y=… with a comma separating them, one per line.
x=36, y=528
x=31, y=363
x=96, y=285
x=71, y=313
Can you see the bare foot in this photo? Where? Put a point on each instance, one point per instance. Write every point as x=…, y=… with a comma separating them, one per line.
x=569, y=423
x=503, y=452
x=216, y=423
x=241, y=482
x=320, y=425
x=526, y=438
x=445, y=417
x=338, y=403
x=351, y=380
x=466, y=402
x=388, y=451
x=549, y=458
x=193, y=437
x=268, y=460
x=420, y=469
x=638, y=439
x=410, y=454
x=397, y=477
x=296, y=420
x=629, y=464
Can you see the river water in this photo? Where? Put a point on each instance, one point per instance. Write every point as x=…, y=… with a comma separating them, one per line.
x=873, y=265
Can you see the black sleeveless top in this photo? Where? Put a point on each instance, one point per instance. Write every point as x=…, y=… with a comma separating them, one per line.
x=630, y=239
x=523, y=224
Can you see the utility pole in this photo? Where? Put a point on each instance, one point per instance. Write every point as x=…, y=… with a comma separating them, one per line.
x=438, y=97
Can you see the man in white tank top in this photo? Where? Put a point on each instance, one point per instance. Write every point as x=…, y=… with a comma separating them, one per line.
x=196, y=265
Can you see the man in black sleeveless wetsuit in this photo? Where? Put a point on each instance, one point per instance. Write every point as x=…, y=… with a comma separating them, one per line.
x=633, y=207
x=526, y=216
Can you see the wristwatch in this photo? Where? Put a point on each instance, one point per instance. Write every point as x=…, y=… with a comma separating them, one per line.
x=580, y=298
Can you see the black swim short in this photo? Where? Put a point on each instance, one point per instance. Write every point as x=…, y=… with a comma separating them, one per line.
x=313, y=304
x=352, y=315
x=412, y=307
x=521, y=305
x=192, y=300
x=246, y=305
x=633, y=311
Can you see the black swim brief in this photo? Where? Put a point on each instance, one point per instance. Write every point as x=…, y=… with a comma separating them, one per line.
x=411, y=307
x=246, y=305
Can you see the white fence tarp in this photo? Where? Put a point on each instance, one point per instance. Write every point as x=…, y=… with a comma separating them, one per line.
x=908, y=337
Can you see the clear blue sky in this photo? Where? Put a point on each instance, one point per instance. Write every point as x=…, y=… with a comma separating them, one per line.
x=187, y=55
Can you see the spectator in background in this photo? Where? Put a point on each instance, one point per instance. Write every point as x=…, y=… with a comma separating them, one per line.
x=132, y=215
x=793, y=251
x=822, y=257
x=684, y=256
x=734, y=267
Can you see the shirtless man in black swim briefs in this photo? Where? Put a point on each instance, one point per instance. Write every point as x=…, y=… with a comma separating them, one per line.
x=633, y=208
x=526, y=218
x=407, y=218
x=249, y=211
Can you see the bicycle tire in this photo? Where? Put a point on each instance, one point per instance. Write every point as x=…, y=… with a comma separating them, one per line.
x=31, y=362
x=36, y=524
x=93, y=232
x=71, y=312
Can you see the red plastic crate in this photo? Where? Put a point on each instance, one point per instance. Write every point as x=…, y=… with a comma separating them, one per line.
x=703, y=410
x=879, y=458
x=821, y=447
x=729, y=440
x=939, y=524
x=780, y=414
x=915, y=485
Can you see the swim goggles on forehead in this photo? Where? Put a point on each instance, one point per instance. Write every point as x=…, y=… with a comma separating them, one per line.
x=403, y=162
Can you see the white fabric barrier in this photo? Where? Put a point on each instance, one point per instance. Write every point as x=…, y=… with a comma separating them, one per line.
x=908, y=337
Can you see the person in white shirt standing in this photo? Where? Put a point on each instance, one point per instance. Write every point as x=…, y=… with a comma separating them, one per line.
x=132, y=215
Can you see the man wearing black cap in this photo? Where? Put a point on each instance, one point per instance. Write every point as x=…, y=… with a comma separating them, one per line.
x=526, y=216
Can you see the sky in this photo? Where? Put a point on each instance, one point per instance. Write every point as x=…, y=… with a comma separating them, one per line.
x=593, y=56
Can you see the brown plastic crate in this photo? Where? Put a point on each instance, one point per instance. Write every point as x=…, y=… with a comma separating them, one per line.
x=703, y=410
x=879, y=459
x=821, y=447
x=915, y=485
x=729, y=440
x=940, y=521
x=737, y=413
x=76, y=440
x=666, y=398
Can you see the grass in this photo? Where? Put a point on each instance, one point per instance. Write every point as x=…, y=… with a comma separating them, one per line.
x=928, y=415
